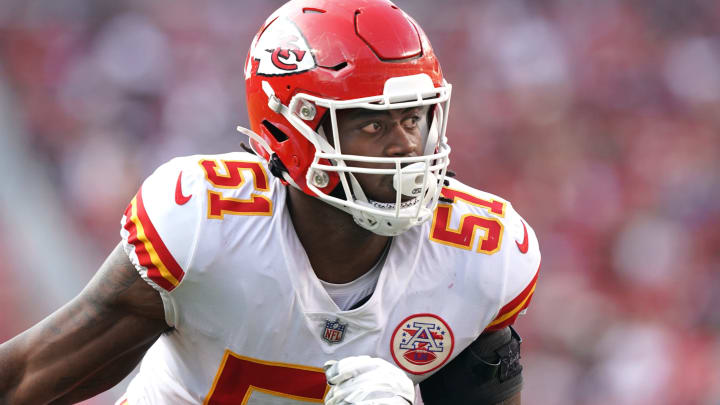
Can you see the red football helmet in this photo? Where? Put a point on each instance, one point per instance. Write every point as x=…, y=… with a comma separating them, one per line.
x=313, y=57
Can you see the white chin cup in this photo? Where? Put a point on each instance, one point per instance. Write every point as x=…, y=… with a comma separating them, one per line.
x=409, y=182
x=387, y=224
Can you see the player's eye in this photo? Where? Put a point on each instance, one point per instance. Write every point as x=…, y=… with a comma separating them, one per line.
x=372, y=128
x=411, y=122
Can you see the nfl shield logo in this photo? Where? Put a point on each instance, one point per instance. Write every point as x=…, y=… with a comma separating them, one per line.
x=334, y=331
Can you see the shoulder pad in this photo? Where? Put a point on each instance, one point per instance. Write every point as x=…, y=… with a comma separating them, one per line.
x=493, y=235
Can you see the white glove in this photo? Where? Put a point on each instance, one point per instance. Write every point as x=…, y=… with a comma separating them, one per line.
x=365, y=380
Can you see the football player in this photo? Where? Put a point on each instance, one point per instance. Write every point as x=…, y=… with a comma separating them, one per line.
x=338, y=262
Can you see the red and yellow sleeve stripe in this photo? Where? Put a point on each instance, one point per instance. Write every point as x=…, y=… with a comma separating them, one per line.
x=509, y=313
x=149, y=247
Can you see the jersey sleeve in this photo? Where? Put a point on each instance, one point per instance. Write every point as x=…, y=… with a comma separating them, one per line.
x=521, y=270
x=160, y=225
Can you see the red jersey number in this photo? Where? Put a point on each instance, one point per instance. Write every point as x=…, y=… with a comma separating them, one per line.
x=239, y=377
x=218, y=205
x=463, y=237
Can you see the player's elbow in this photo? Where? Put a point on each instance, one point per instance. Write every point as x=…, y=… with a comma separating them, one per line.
x=12, y=372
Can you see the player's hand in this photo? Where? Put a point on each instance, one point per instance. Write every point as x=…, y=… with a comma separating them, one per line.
x=365, y=380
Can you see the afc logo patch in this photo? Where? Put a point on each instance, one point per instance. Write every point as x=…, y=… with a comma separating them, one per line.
x=421, y=343
x=334, y=331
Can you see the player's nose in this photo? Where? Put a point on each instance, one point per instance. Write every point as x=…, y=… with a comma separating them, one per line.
x=402, y=142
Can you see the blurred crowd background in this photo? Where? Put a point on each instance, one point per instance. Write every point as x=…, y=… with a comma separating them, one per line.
x=599, y=120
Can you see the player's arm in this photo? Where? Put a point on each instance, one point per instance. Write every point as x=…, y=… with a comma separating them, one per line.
x=105, y=378
x=486, y=372
x=88, y=345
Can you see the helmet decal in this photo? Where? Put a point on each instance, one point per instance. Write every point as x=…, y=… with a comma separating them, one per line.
x=282, y=50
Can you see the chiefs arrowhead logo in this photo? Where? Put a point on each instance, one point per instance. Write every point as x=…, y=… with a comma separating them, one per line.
x=281, y=50
x=281, y=58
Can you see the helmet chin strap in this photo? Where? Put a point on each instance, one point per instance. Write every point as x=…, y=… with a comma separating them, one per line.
x=257, y=138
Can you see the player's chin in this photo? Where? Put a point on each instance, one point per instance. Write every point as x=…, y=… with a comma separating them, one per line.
x=382, y=190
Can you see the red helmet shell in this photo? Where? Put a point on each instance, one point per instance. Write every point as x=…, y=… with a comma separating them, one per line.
x=337, y=50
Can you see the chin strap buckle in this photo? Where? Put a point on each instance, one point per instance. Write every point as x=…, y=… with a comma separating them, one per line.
x=273, y=102
x=276, y=166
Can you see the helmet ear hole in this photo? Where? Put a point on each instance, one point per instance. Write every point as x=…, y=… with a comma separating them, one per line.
x=275, y=131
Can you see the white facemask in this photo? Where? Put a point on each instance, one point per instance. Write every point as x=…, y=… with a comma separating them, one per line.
x=419, y=177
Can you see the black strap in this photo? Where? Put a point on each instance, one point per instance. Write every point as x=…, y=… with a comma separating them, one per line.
x=486, y=372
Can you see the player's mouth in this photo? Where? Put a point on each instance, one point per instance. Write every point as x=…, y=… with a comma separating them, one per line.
x=391, y=205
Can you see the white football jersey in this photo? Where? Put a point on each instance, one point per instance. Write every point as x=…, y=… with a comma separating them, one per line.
x=253, y=324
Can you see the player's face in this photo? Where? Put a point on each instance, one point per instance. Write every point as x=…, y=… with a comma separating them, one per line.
x=389, y=133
